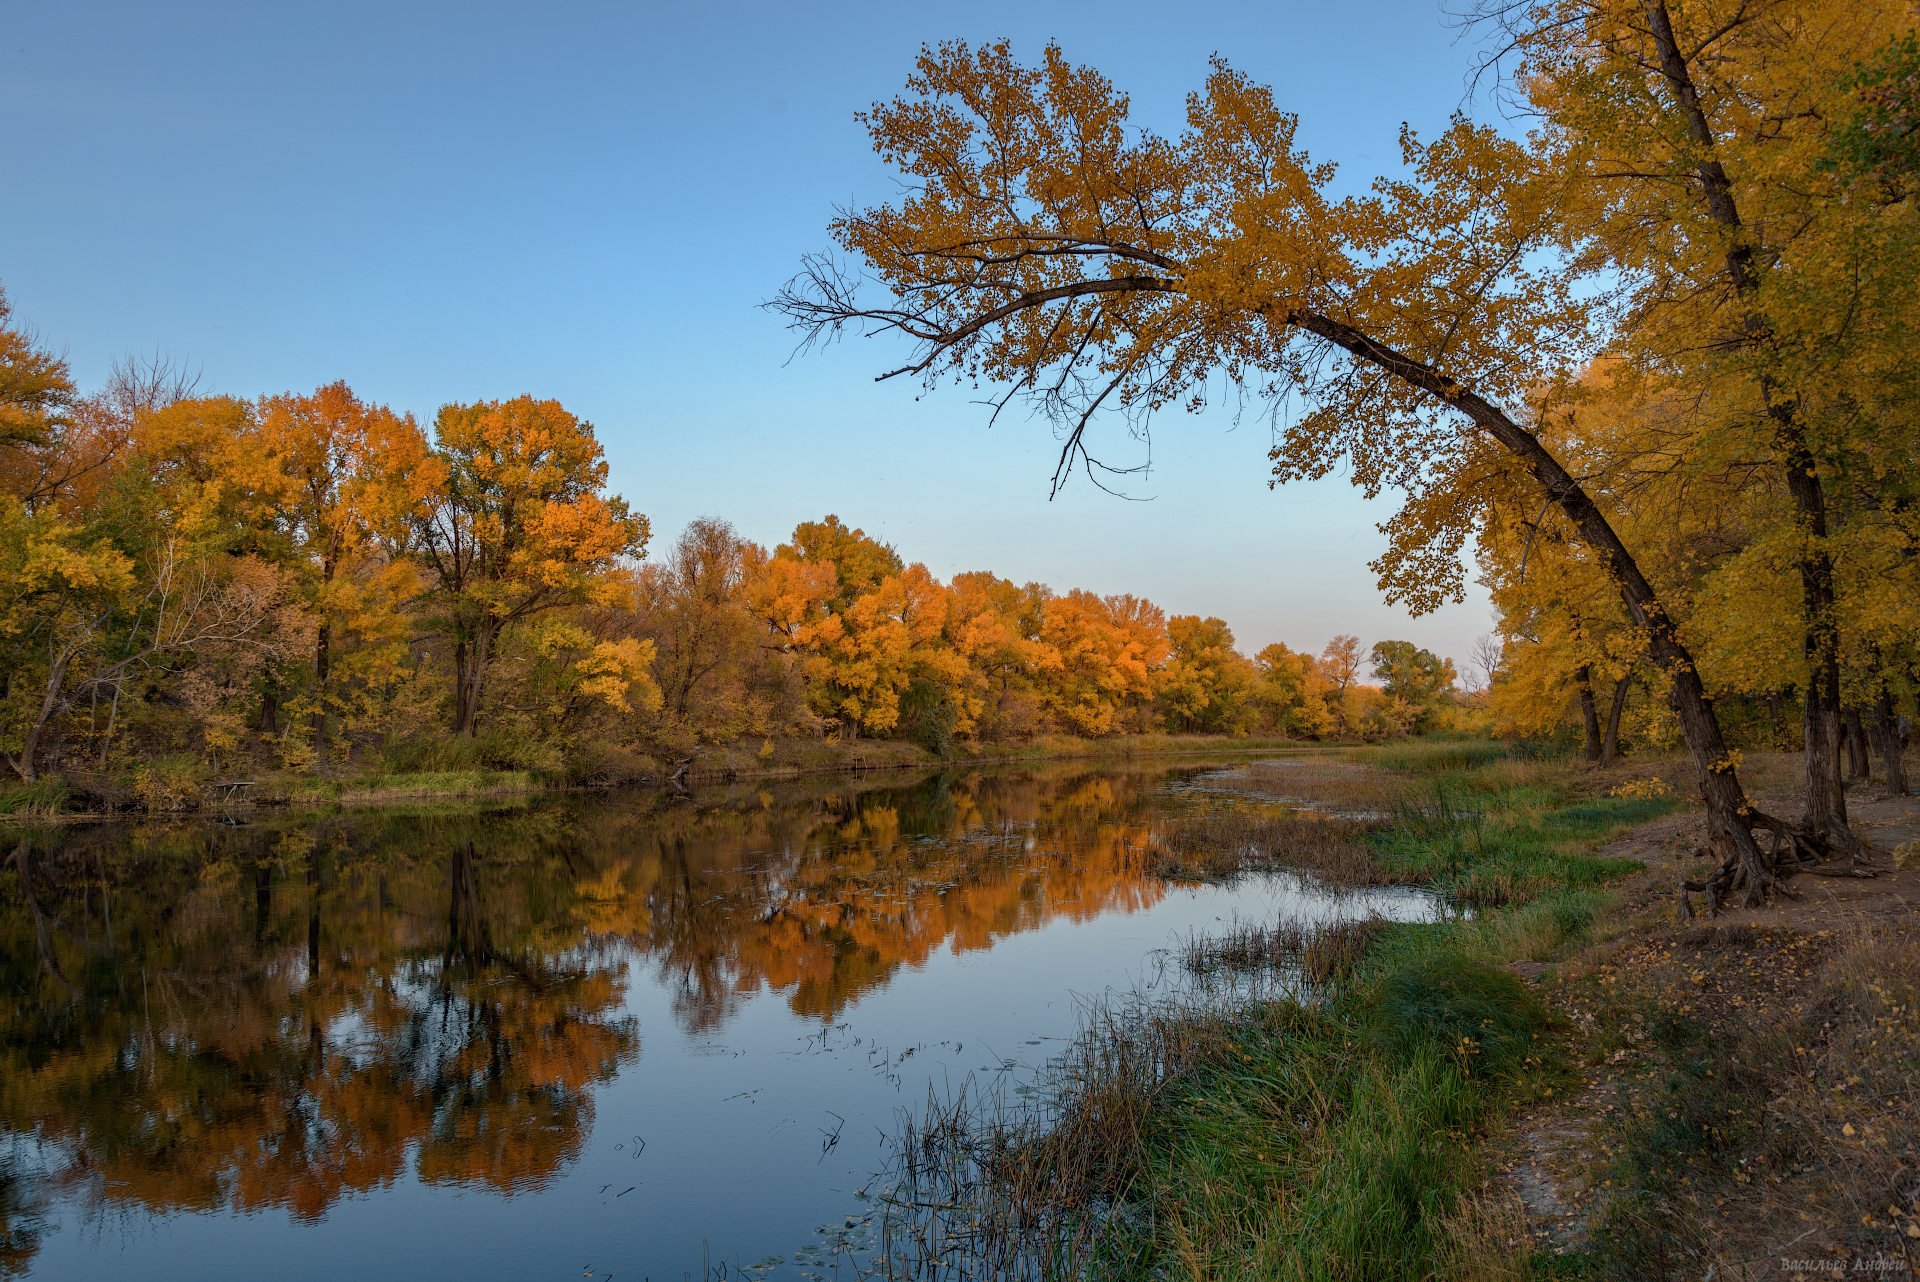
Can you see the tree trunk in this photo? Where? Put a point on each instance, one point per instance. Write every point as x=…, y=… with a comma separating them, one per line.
x=1822, y=725
x=1589, y=714
x=270, y=706
x=320, y=656
x=1730, y=813
x=1773, y=716
x=1610, y=745
x=23, y=763
x=1859, y=767
x=1826, y=812
x=1887, y=726
x=469, y=677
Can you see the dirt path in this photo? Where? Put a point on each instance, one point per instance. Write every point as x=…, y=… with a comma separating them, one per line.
x=1739, y=977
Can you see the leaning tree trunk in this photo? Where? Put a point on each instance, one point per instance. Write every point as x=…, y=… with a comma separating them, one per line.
x=25, y=762
x=1731, y=816
x=1589, y=714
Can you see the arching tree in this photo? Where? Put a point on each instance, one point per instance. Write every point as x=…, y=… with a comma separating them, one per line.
x=1049, y=246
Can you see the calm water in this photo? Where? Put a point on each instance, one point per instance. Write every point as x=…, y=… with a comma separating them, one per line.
x=584, y=1037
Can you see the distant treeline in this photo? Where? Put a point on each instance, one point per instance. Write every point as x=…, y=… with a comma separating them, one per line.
x=208, y=583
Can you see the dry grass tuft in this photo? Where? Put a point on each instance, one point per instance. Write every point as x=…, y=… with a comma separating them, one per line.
x=1486, y=1239
x=988, y=1187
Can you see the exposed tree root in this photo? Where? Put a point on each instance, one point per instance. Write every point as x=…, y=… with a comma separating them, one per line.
x=1760, y=870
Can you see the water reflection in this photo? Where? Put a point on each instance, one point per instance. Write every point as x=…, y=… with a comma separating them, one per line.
x=290, y=1013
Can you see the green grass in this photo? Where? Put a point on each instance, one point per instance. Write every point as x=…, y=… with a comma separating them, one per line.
x=417, y=784
x=40, y=800
x=1337, y=1143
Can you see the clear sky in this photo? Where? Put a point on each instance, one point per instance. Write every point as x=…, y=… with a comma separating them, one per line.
x=441, y=201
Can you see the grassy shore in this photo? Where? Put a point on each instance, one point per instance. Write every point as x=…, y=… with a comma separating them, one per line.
x=780, y=758
x=1336, y=1131
x=185, y=784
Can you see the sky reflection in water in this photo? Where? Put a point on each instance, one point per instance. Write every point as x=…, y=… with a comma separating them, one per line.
x=584, y=1036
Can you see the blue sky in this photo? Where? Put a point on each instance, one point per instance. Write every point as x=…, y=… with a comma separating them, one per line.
x=588, y=201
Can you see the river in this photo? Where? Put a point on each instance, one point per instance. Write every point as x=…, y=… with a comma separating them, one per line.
x=631, y=1037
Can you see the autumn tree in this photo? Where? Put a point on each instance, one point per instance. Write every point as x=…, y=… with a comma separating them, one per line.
x=515, y=524
x=999, y=627
x=718, y=678
x=1206, y=684
x=1716, y=124
x=1292, y=691
x=36, y=387
x=59, y=588
x=333, y=475
x=1409, y=672
x=867, y=627
x=57, y=446
x=859, y=562
x=1047, y=244
x=1111, y=650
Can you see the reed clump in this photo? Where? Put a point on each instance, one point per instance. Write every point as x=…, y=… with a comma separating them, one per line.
x=1318, y=951
x=1225, y=844
x=1048, y=1182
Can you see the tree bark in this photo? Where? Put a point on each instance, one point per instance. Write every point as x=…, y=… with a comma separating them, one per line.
x=469, y=678
x=1589, y=714
x=1859, y=766
x=1610, y=745
x=1826, y=800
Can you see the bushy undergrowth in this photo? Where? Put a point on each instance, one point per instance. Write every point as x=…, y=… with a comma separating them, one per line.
x=494, y=748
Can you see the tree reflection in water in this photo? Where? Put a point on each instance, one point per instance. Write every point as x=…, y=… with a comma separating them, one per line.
x=282, y=1014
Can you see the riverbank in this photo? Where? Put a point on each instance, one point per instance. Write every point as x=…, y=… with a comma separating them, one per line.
x=1745, y=1092
x=182, y=786
x=1574, y=1080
